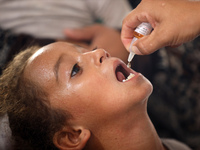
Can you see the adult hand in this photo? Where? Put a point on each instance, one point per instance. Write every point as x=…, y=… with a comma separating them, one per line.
x=102, y=37
x=174, y=22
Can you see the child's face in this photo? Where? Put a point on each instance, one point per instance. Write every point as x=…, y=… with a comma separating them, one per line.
x=85, y=83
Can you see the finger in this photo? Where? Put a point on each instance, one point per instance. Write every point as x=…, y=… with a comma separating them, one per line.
x=128, y=26
x=150, y=43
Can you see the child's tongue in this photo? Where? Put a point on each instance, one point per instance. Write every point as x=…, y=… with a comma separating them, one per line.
x=120, y=76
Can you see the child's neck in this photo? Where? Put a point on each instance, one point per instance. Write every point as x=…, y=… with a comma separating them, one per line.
x=144, y=137
x=141, y=135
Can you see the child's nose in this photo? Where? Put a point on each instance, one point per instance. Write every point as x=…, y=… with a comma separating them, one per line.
x=100, y=55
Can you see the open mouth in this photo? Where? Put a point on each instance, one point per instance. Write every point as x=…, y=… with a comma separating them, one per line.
x=122, y=74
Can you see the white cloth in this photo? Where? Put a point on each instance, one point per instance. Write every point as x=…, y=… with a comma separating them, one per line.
x=48, y=18
x=172, y=144
x=5, y=134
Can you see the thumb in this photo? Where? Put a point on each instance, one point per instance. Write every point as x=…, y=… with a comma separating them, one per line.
x=85, y=33
x=149, y=44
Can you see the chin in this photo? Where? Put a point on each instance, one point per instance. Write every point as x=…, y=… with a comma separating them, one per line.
x=150, y=88
x=146, y=88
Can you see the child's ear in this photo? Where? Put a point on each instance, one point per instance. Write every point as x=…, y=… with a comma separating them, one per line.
x=71, y=138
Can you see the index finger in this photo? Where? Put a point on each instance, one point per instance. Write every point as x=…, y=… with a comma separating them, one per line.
x=128, y=26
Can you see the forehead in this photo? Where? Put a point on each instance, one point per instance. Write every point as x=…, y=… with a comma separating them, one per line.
x=57, y=48
x=51, y=52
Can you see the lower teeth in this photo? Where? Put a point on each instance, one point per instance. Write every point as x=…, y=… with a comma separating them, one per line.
x=129, y=77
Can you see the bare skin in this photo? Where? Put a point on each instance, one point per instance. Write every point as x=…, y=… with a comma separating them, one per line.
x=108, y=114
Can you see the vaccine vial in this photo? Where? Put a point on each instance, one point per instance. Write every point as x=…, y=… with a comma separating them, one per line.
x=142, y=30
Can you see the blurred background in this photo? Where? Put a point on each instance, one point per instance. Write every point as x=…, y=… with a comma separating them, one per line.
x=174, y=106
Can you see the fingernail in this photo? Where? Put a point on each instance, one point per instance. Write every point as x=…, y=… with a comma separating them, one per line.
x=136, y=50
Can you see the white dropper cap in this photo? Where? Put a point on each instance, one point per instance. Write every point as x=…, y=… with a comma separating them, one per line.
x=131, y=54
x=130, y=57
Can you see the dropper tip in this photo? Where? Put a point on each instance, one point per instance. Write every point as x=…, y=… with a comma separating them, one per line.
x=129, y=65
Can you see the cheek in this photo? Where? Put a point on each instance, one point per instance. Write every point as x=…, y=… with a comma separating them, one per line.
x=102, y=96
x=91, y=98
x=97, y=99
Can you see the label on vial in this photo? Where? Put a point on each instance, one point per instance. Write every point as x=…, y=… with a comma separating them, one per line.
x=144, y=28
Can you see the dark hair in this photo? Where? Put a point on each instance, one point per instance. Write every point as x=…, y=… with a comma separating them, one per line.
x=33, y=121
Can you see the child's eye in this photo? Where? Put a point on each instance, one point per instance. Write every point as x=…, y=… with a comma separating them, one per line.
x=75, y=70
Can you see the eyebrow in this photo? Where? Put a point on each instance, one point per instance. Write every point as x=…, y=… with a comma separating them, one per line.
x=57, y=65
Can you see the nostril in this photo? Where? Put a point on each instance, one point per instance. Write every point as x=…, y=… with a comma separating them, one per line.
x=101, y=59
x=107, y=55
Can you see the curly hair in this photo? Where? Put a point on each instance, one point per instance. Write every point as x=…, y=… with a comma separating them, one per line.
x=33, y=121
